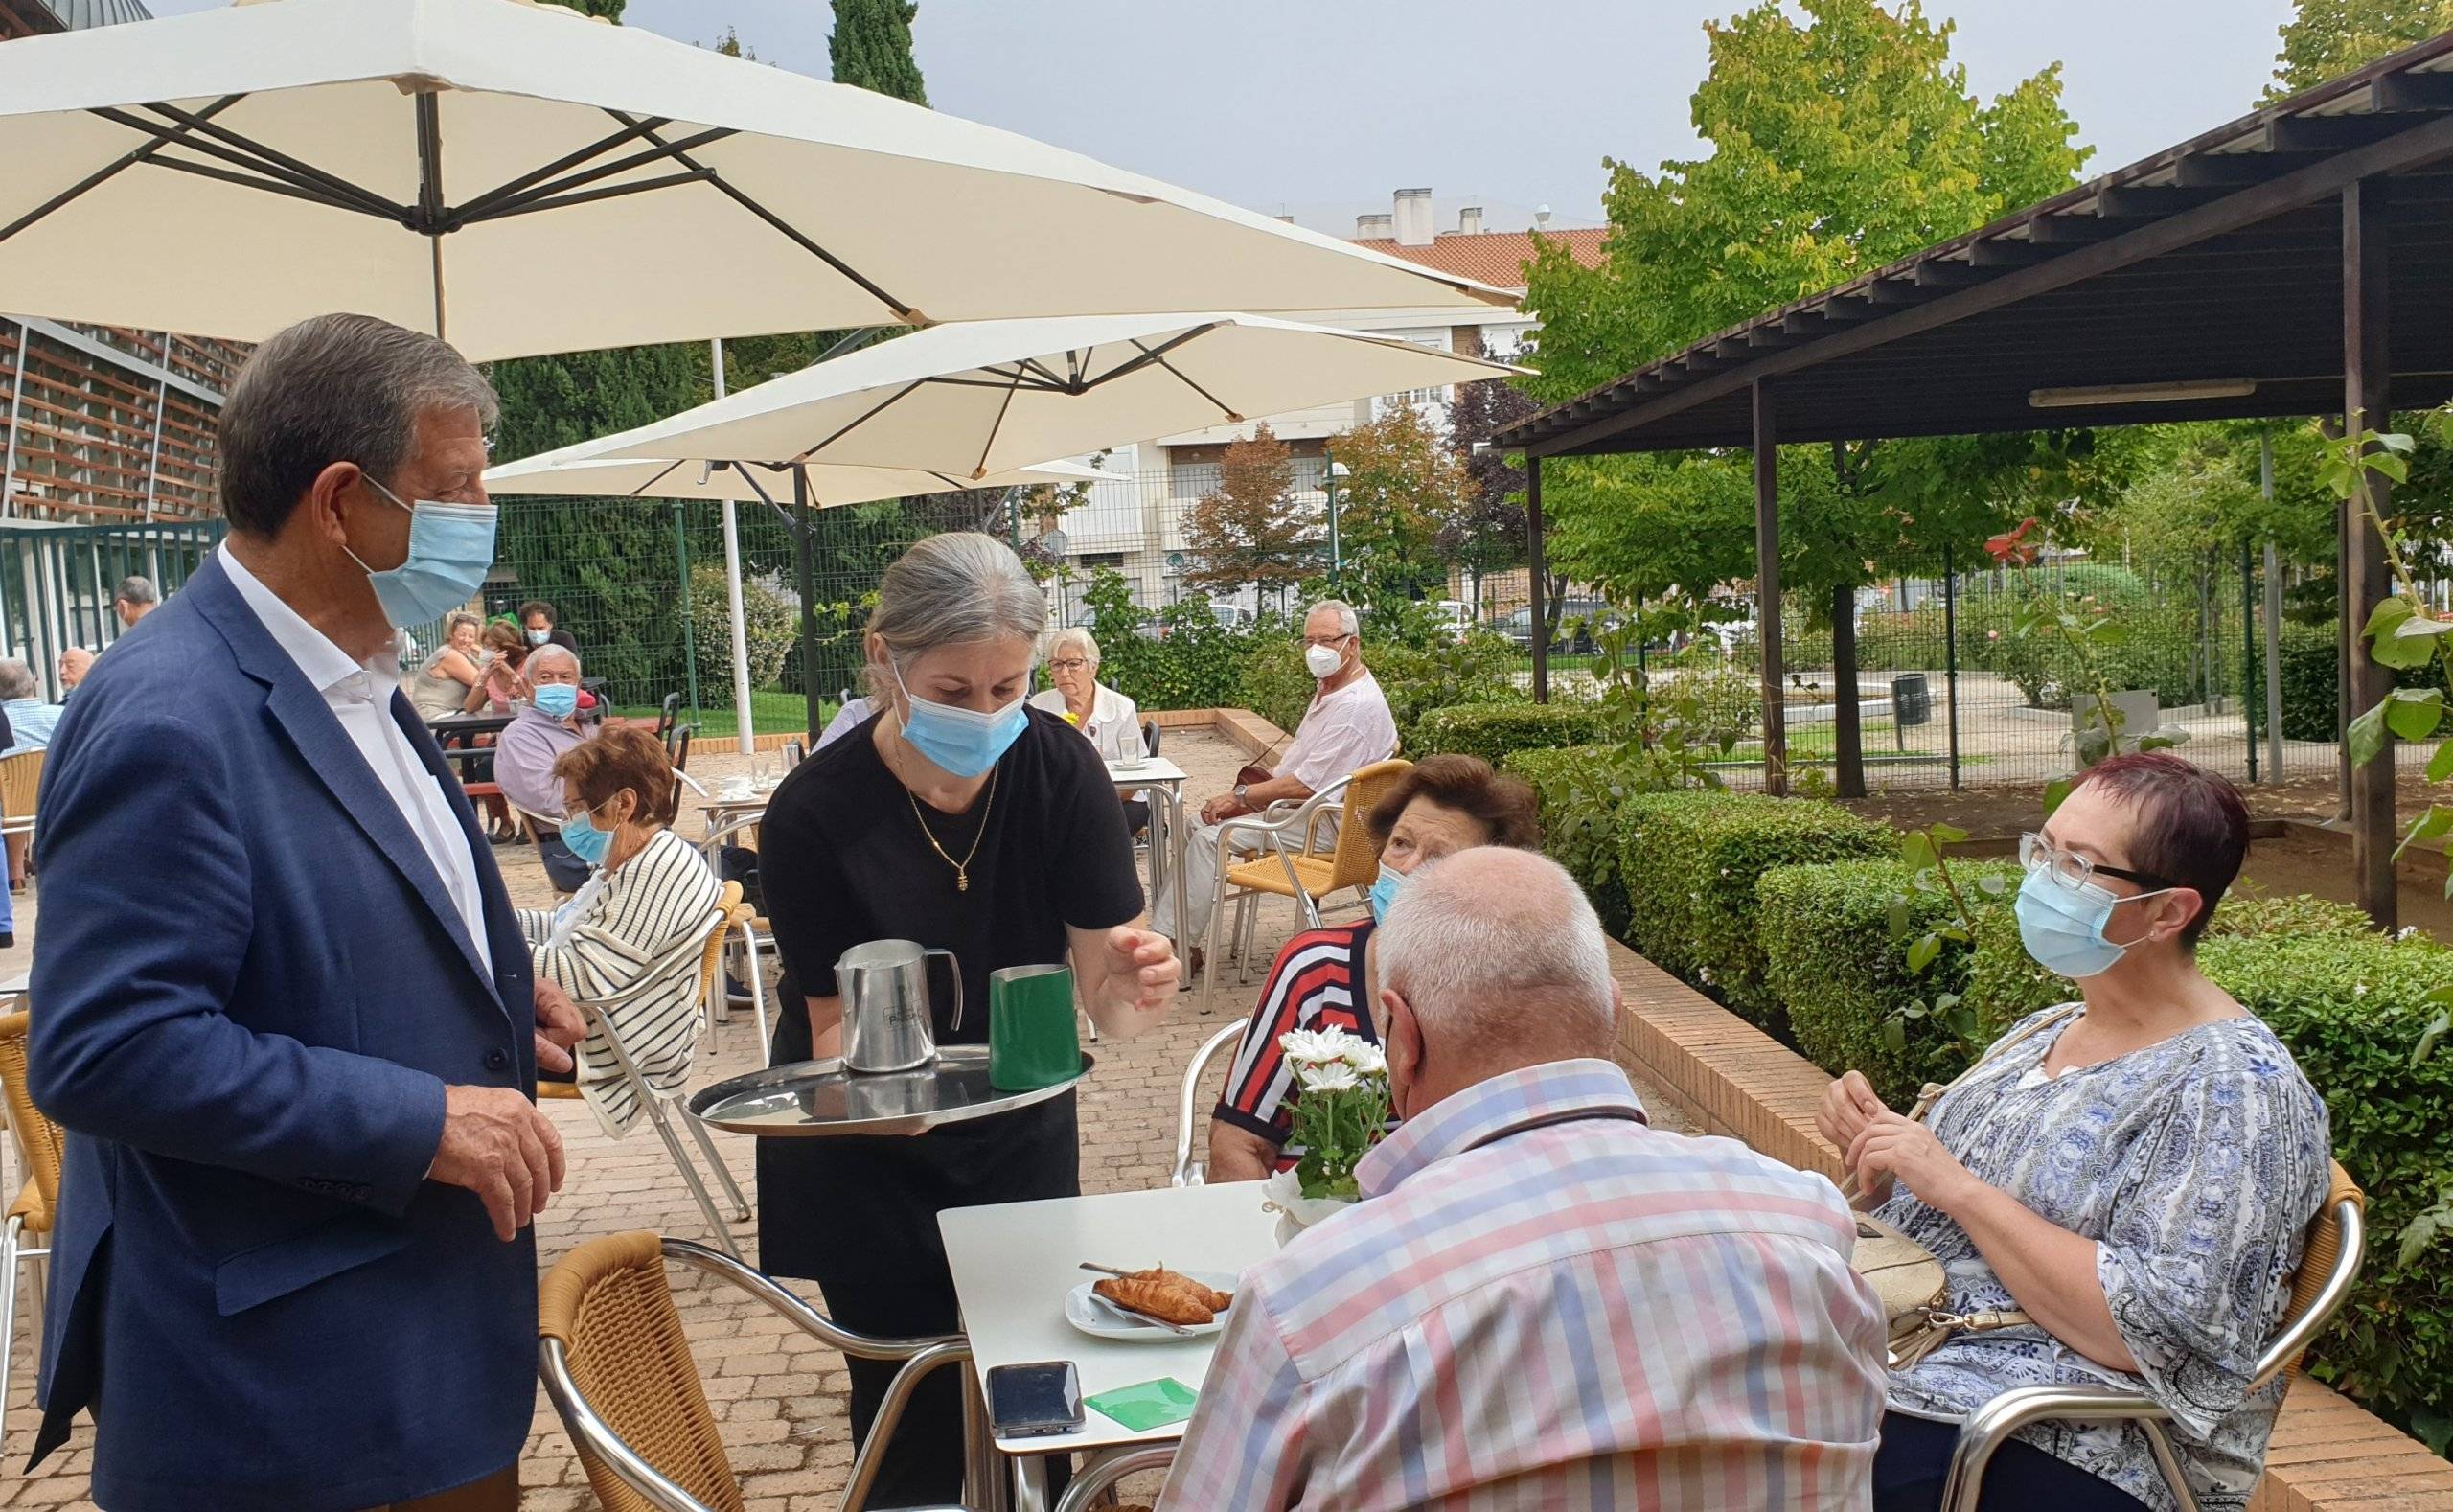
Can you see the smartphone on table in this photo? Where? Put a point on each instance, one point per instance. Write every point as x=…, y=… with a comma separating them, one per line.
x=1034, y=1400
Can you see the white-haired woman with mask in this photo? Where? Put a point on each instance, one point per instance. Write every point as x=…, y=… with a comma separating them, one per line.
x=1108, y=720
x=962, y=818
x=2119, y=1188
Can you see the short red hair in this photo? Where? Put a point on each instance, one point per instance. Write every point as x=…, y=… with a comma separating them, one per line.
x=2193, y=826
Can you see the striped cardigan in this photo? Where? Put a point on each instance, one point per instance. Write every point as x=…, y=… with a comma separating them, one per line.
x=634, y=915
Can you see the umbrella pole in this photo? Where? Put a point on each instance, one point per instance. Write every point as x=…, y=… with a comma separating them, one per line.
x=743, y=720
x=809, y=691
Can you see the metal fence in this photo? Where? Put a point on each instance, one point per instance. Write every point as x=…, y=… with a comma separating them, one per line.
x=56, y=583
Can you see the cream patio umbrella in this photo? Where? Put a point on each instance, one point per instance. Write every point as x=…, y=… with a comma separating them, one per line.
x=563, y=473
x=521, y=180
x=976, y=398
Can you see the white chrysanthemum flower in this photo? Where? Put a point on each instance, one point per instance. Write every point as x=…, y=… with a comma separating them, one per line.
x=1367, y=1060
x=1334, y=1077
x=1304, y=1047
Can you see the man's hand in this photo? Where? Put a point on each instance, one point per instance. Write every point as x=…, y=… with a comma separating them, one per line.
x=559, y=1027
x=1142, y=969
x=1220, y=807
x=497, y=1145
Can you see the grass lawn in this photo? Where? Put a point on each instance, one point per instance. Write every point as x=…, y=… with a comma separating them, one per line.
x=773, y=711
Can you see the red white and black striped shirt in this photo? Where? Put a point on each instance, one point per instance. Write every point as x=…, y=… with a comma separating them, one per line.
x=1316, y=984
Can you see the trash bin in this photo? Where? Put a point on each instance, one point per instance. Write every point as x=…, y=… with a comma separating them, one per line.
x=1912, y=699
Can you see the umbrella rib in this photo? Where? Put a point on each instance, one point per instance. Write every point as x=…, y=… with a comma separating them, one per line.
x=271, y=158
x=110, y=170
x=587, y=197
x=901, y=312
x=270, y=186
x=560, y=165
x=274, y=176
x=659, y=478
x=554, y=195
x=980, y=468
x=1148, y=355
x=874, y=411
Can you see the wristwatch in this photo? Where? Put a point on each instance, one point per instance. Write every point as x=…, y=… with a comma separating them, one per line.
x=1239, y=795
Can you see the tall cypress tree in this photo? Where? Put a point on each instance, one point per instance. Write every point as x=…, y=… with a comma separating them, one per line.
x=872, y=48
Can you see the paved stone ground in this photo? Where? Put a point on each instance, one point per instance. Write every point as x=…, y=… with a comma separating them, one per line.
x=779, y=1393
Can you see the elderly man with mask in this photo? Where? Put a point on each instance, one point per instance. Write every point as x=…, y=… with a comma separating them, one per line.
x=525, y=753
x=293, y=1269
x=1347, y=725
x=1539, y=1302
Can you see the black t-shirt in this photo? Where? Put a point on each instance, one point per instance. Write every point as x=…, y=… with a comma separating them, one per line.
x=842, y=861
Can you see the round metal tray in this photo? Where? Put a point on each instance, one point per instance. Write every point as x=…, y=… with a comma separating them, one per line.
x=815, y=1099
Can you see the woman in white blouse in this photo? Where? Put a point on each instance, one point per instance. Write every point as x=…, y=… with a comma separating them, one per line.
x=649, y=894
x=1106, y=717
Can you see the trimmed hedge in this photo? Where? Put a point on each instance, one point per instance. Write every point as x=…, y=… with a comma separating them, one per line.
x=1497, y=731
x=1691, y=862
x=1830, y=958
x=1480, y=668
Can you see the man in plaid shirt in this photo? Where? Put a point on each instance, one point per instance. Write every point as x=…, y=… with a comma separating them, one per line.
x=1540, y=1302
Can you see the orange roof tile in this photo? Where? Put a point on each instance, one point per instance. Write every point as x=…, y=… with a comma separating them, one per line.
x=1490, y=256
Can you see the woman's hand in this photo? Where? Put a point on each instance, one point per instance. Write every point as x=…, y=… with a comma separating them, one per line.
x=1849, y=1105
x=1890, y=1146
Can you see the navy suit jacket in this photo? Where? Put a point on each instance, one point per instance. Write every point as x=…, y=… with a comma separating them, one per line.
x=248, y=994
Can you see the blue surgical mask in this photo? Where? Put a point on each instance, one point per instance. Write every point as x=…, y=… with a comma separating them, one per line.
x=451, y=548
x=538, y=637
x=587, y=841
x=2063, y=928
x=964, y=743
x=559, y=699
x=1384, y=892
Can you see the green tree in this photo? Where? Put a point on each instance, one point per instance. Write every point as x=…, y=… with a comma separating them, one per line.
x=1837, y=145
x=1486, y=532
x=1403, y=485
x=872, y=48
x=2326, y=38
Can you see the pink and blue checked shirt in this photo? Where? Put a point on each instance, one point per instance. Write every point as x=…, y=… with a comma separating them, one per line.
x=1541, y=1302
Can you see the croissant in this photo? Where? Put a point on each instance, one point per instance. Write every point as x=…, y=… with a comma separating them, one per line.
x=1154, y=1298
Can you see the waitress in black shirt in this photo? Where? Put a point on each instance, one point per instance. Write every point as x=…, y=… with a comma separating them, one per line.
x=957, y=817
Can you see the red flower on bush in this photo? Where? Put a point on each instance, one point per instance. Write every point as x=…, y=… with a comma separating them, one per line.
x=2010, y=548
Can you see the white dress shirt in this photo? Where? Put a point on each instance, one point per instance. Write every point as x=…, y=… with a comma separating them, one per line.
x=359, y=695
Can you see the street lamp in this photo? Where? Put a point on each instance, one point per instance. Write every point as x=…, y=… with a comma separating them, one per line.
x=1336, y=469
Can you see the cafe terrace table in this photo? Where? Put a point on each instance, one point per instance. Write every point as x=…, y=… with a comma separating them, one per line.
x=1013, y=1263
x=1164, y=782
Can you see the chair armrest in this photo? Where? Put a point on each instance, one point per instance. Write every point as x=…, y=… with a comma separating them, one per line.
x=1103, y=1472
x=589, y=1430
x=1990, y=1426
x=809, y=1319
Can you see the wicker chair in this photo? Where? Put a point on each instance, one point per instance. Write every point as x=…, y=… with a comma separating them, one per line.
x=20, y=784
x=2328, y=1264
x=618, y=1370
x=39, y=1150
x=704, y=954
x=1303, y=873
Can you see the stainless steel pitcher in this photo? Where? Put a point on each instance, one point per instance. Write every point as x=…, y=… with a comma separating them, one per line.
x=885, y=986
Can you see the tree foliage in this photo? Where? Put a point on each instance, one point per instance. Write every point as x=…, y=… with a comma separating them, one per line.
x=2326, y=38
x=1485, y=533
x=1252, y=529
x=872, y=48
x=1403, y=485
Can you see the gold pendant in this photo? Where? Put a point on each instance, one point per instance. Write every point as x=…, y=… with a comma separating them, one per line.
x=962, y=880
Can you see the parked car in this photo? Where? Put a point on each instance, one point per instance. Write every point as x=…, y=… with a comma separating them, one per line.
x=1578, y=618
x=1233, y=616
x=1456, y=616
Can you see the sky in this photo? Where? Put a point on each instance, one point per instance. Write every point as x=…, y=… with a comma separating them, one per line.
x=1321, y=108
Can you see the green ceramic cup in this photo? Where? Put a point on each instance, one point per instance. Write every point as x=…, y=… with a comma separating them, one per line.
x=1032, y=1038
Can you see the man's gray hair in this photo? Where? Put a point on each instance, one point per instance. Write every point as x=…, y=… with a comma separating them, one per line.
x=18, y=680
x=556, y=651
x=956, y=590
x=1495, y=949
x=135, y=590
x=336, y=388
x=1077, y=636
x=1347, y=623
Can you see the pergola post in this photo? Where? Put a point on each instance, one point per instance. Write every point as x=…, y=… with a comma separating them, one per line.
x=1534, y=572
x=2367, y=365
x=1767, y=592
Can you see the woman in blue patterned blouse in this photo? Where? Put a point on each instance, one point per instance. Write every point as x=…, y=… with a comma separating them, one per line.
x=2135, y=1172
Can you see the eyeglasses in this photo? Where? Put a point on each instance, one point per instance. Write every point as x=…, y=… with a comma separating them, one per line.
x=1067, y=664
x=2070, y=870
x=1325, y=640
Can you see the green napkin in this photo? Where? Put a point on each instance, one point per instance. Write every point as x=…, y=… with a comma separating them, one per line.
x=1152, y=1404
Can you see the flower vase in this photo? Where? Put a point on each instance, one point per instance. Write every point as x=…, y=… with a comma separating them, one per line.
x=1283, y=1194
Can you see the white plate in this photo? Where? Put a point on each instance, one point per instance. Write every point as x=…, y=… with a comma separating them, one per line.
x=1087, y=1313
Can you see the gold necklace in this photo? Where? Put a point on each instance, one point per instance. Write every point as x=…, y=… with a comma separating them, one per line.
x=962, y=868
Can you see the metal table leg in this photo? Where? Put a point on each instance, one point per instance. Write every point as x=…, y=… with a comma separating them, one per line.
x=1030, y=1482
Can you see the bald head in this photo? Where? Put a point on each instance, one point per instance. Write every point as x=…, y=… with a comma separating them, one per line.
x=1501, y=963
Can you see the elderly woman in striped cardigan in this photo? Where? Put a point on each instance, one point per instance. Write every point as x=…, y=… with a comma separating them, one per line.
x=649, y=894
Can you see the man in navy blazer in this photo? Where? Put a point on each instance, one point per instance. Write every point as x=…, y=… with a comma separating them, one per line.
x=280, y=1002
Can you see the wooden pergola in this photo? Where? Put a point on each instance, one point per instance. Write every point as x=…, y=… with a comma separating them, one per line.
x=2296, y=262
